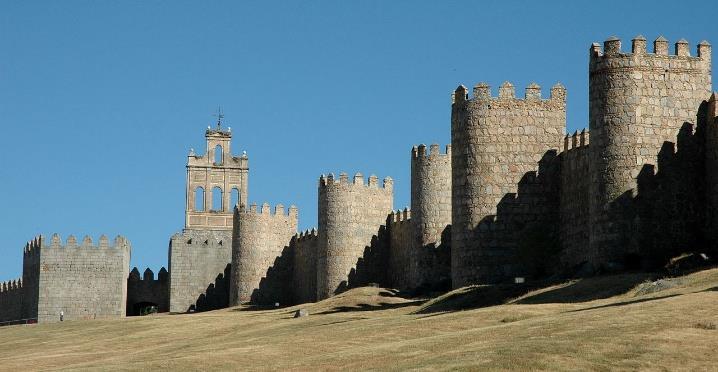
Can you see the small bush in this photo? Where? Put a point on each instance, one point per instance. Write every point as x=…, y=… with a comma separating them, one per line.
x=706, y=325
x=510, y=319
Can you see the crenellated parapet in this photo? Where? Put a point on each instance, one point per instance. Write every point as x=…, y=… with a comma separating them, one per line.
x=258, y=239
x=419, y=154
x=350, y=214
x=32, y=247
x=119, y=243
x=576, y=140
x=148, y=275
x=330, y=182
x=507, y=99
x=399, y=217
x=306, y=235
x=10, y=286
x=651, y=60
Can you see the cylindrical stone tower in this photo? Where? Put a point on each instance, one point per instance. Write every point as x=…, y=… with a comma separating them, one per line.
x=637, y=101
x=258, y=239
x=495, y=142
x=350, y=214
x=430, y=205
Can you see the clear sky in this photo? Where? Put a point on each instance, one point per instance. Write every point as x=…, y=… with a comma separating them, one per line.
x=100, y=101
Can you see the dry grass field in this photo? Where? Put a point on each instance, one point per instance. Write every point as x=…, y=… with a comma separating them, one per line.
x=625, y=322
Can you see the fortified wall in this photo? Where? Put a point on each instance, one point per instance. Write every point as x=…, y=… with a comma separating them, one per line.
x=12, y=296
x=198, y=262
x=513, y=196
x=304, y=271
x=146, y=291
x=495, y=141
x=360, y=239
x=349, y=216
x=83, y=280
x=574, y=205
x=429, y=255
x=637, y=101
x=258, y=240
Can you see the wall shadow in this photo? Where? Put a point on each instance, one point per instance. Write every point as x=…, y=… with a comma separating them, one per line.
x=371, y=268
x=522, y=239
x=217, y=294
x=276, y=286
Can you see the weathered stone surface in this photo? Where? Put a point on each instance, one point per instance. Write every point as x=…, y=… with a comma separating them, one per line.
x=258, y=241
x=84, y=281
x=349, y=215
x=199, y=261
x=637, y=101
x=495, y=143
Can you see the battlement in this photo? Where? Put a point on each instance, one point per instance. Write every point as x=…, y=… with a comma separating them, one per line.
x=419, y=152
x=576, y=140
x=148, y=275
x=532, y=94
x=40, y=242
x=11, y=286
x=612, y=48
x=33, y=246
x=358, y=181
x=399, y=216
x=309, y=234
x=265, y=210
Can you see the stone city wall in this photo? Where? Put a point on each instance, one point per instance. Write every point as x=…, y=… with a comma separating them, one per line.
x=83, y=280
x=350, y=214
x=258, y=240
x=431, y=211
x=711, y=165
x=145, y=290
x=304, y=275
x=574, y=199
x=12, y=297
x=198, y=261
x=496, y=142
x=637, y=101
x=400, y=249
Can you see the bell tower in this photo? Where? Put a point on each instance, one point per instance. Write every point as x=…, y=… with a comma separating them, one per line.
x=215, y=180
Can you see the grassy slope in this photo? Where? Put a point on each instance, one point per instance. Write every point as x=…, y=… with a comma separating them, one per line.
x=370, y=328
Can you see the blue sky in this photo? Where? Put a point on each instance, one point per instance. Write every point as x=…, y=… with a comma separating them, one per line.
x=100, y=101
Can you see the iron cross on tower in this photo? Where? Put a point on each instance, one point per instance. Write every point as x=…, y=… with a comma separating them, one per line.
x=219, y=115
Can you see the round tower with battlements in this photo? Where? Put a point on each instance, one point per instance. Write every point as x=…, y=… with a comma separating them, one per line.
x=430, y=205
x=258, y=239
x=637, y=101
x=350, y=214
x=495, y=141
